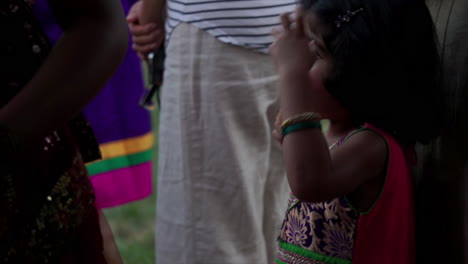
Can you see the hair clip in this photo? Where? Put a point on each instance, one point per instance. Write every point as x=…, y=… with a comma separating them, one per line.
x=346, y=18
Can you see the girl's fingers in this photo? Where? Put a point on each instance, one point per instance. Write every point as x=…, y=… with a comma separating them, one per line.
x=285, y=22
x=276, y=32
x=277, y=136
x=300, y=22
x=292, y=22
x=278, y=121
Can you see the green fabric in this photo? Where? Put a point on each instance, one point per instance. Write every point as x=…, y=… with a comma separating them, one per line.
x=300, y=126
x=280, y=262
x=119, y=162
x=312, y=255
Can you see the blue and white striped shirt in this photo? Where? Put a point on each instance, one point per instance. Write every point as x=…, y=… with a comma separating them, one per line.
x=246, y=23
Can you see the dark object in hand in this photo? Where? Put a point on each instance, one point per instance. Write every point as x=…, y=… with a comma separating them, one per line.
x=155, y=78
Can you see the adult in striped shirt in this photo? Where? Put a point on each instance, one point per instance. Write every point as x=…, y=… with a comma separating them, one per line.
x=221, y=184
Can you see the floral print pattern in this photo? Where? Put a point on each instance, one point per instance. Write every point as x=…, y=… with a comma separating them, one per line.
x=297, y=230
x=329, y=228
x=326, y=228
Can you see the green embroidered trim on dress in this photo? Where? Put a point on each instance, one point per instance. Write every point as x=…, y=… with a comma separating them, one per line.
x=312, y=255
x=280, y=262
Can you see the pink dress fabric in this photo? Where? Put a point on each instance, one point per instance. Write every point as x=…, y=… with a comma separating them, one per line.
x=386, y=235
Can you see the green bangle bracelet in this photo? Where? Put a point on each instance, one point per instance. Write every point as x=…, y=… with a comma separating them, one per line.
x=300, y=126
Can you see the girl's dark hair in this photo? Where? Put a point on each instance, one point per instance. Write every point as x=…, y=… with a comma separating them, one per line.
x=386, y=64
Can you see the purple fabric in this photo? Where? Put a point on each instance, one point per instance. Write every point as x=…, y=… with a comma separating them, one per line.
x=114, y=114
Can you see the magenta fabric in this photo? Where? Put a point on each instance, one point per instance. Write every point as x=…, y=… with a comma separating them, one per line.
x=119, y=187
x=386, y=235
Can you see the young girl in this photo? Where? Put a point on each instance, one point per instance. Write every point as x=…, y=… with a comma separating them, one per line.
x=371, y=68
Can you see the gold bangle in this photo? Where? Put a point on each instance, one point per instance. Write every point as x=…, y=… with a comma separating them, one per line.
x=304, y=117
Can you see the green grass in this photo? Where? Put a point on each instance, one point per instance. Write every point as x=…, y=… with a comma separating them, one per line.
x=133, y=227
x=133, y=224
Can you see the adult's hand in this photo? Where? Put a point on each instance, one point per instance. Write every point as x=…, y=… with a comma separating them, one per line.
x=148, y=32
